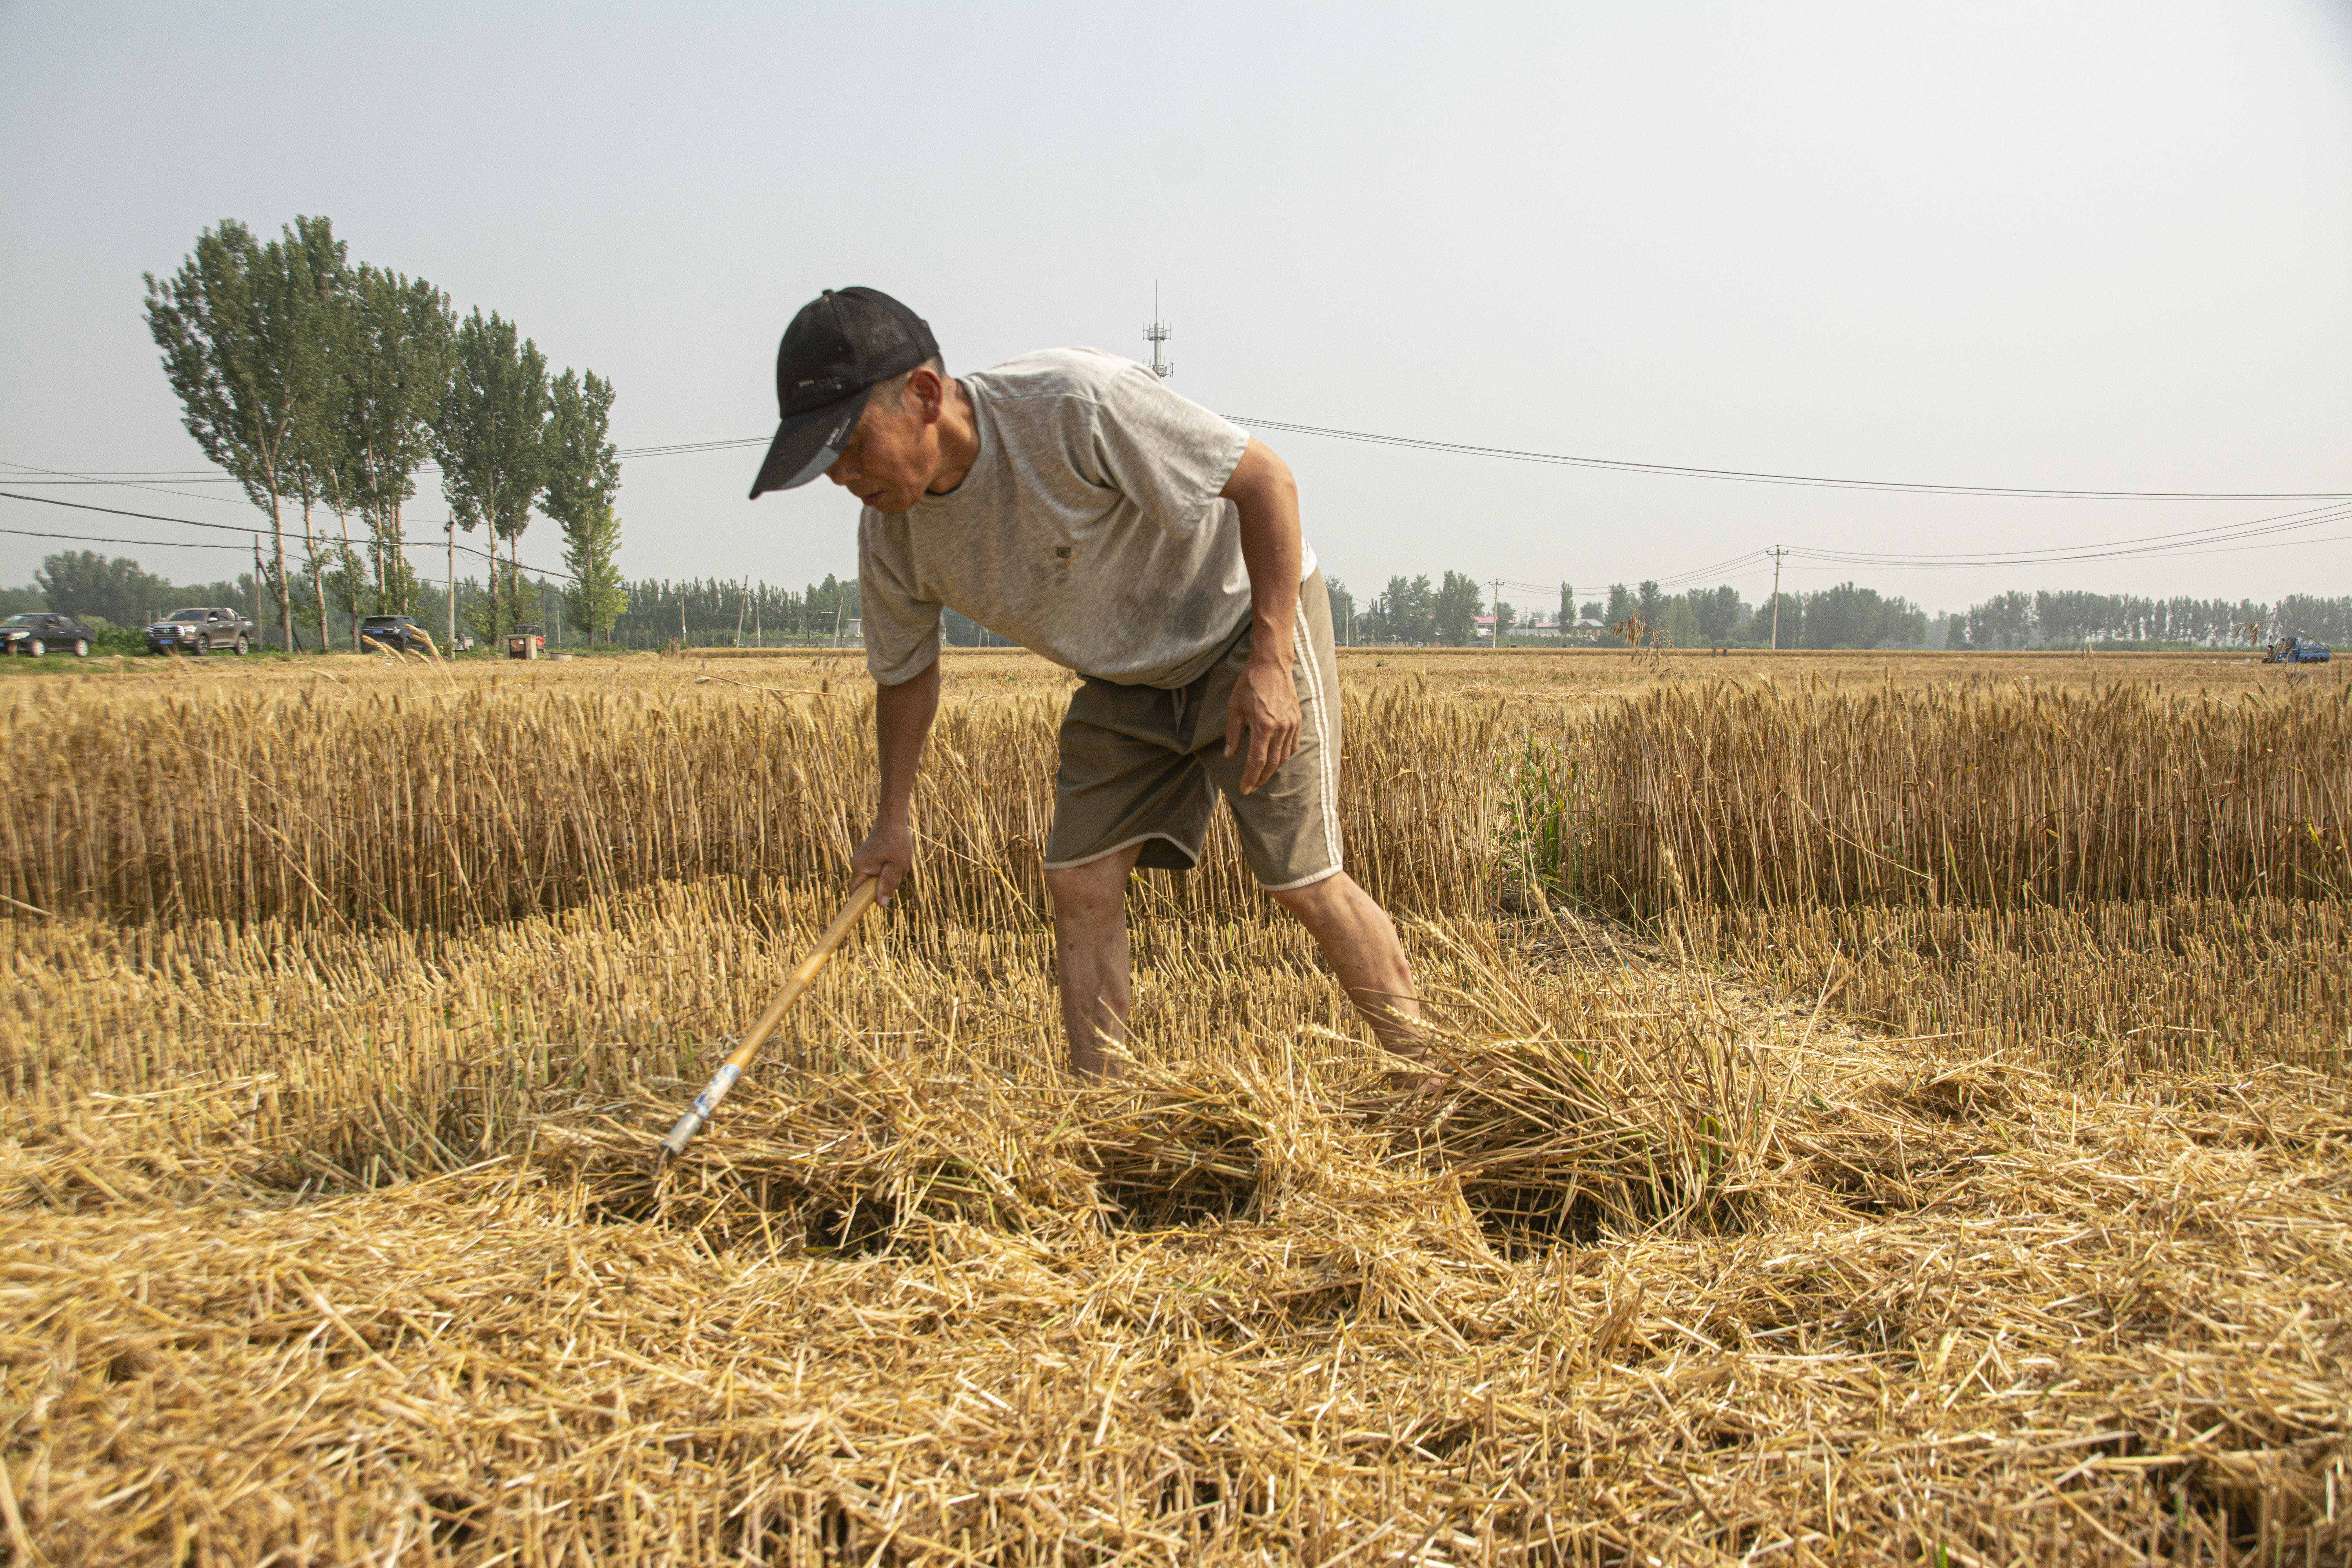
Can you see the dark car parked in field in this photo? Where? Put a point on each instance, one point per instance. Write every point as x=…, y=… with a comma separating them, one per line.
x=42, y=631
x=200, y=630
x=395, y=632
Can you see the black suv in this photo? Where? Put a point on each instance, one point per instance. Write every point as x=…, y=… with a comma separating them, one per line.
x=396, y=632
x=41, y=631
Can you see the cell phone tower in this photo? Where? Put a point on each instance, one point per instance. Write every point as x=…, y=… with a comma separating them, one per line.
x=1155, y=333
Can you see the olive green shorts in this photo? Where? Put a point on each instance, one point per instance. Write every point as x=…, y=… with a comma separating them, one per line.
x=1144, y=764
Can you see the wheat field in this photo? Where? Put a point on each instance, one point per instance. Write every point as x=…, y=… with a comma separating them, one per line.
x=1895, y=1111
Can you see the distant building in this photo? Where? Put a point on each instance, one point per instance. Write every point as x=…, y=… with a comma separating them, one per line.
x=1528, y=626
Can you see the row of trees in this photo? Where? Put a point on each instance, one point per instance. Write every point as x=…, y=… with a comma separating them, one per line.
x=716, y=612
x=711, y=611
x=1852, y=616
x=119, y=591
x=704, y=612
x=1414, y=610
x=325, y=386
x=1447, y=613
x=1846, y=616
x=2017, y=619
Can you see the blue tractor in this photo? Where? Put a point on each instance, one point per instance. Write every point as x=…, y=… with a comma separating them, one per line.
x=2292, y=649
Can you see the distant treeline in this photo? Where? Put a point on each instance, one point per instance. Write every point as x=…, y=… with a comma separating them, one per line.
x=1454, y=612
x=2067, y=619
x=713, y=612
x=760, y=614
x=716, y=612
x=118, y=592
x=1451, y=613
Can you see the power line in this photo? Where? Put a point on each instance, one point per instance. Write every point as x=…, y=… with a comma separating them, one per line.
x=33, y=477
x=1678, y=579
x=1460, y=448
x=1464, y=448
x=106, y=539
x=2228, y=548
x=156, y=478
x=252, y=531
x=118, y=511
x=25, y=476
x=1746, y=476
x=676, y=448
x=111, y=475
x=2280, y=522
x=204, y=545
x=2212, y=541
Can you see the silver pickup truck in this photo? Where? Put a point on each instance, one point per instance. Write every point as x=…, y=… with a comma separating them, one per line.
x=200, y=630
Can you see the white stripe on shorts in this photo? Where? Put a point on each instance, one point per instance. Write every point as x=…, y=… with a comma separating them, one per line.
x=1326, y=761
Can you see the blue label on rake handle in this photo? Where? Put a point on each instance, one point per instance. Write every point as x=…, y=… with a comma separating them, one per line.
x=721, y=1082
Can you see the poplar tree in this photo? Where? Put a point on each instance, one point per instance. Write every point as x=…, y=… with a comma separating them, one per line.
x=1402, y=613
x=395, y=349
x=584, y=472
x=231, y=329
x=1454, y=610
x=489, y=438
x=316, y=278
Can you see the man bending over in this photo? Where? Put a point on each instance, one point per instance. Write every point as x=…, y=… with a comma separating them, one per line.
x=1070, y=502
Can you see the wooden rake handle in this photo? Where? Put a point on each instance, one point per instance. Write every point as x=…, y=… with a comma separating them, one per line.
x=861, y=899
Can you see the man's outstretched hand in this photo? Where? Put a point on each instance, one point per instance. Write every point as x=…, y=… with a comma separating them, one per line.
x=887, y=853
x=1265, y=705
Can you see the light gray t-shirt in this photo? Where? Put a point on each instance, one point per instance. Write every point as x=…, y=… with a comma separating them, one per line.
x=1088, y=529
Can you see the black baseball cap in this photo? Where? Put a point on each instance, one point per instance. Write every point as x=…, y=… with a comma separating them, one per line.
x=837, y=348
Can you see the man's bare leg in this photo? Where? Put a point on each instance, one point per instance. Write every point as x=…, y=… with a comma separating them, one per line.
x=1091, y=958
x=1359, y=941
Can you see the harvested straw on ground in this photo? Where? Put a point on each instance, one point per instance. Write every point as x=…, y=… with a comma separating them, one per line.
x=498, y=1362
x=329, y=1235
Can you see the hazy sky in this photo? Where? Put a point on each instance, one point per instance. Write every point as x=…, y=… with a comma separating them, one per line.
x=2096, y=247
